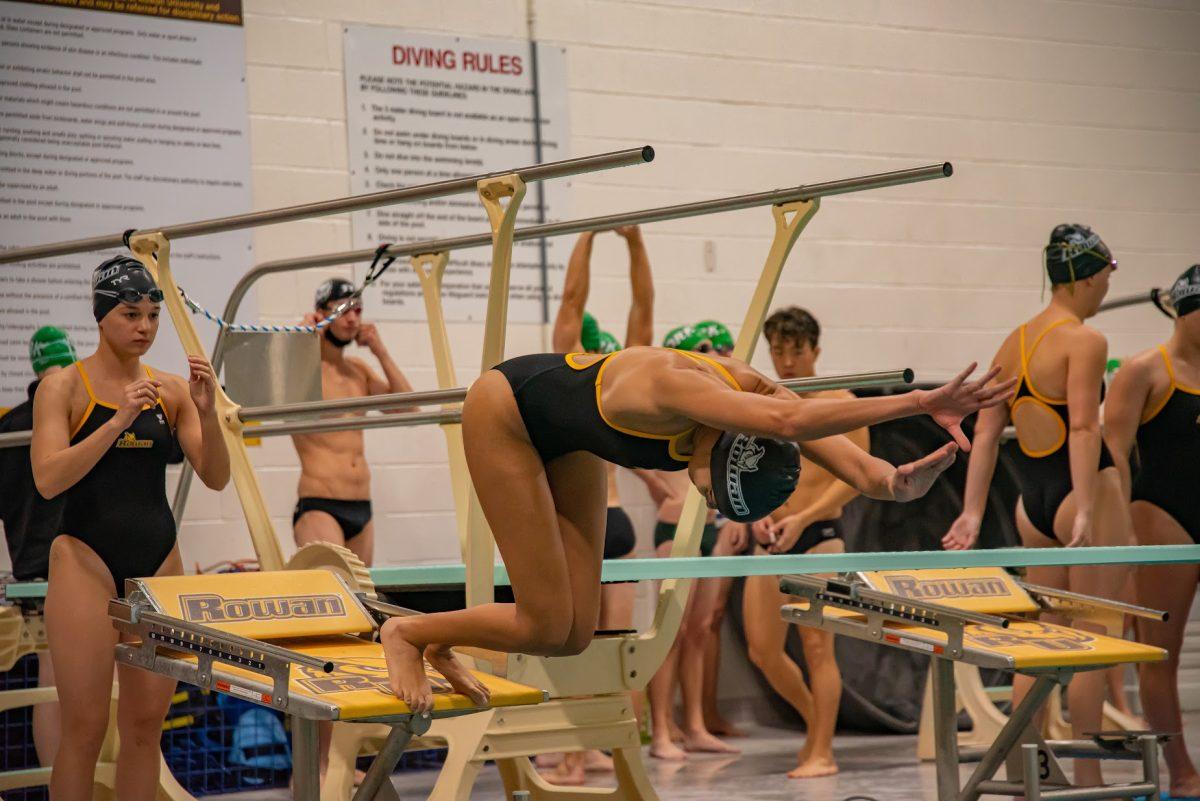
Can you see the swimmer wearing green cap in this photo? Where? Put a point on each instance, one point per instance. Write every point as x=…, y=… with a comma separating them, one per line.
x=30, y=521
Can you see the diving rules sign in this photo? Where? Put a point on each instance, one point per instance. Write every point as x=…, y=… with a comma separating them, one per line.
x=423, y=107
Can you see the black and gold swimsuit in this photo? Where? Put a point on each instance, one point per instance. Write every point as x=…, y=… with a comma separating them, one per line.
x=1044, y=475
x=559, y=401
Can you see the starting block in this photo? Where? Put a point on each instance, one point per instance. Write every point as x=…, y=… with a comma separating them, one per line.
x=299, y=641
x=986, y=618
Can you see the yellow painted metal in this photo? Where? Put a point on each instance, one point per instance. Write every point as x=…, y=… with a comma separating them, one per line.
x=990, y=590
x=430, y=269
x=154, y=251
x=271, y=605
x=501, y=199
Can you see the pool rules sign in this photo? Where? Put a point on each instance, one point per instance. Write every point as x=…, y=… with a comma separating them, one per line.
x=426, y=107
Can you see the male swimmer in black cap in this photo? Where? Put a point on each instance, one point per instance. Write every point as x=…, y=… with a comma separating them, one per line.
x=538, y=429
x=335, y=481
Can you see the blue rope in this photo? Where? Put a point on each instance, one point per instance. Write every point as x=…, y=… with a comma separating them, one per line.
x=254, y=329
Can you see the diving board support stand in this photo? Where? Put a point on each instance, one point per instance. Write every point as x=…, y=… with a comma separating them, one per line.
x=431, y=269
x=154, y=252
x=501, y=199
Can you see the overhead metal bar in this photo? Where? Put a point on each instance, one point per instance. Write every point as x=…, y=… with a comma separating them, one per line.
x=419, y=575
x=604, y=222
x=537, y=172
x=1156, y=296
x=402, y=399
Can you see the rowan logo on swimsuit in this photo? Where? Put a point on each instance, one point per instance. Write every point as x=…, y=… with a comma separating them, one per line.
x=212, y=608
x=933, y=589
x=744, y=456
x=130, y=440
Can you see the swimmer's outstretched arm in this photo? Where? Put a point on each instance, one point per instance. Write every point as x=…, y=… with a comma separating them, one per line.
x=698, y=396
x=875, y=477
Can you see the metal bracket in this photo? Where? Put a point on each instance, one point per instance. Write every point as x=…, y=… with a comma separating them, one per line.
x=162, y=632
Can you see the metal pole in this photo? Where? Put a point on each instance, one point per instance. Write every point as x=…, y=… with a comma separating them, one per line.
x=803, y=192
x=537, y=172
x=400, y=399
x=1152, y=296
x=355, y=423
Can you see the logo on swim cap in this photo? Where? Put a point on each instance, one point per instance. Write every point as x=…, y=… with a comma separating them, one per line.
x=1185, y=292
x=744, y=456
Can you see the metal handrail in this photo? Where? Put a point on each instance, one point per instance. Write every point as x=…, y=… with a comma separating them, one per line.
x=408, y=194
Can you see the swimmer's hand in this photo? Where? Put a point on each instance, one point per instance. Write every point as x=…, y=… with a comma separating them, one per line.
x=202, y=384
x=1081, y=531
x=911, y=481
x=962, y=534
x=141, y=394
x=954, y=400
x=368, y=337
x=763, y=531
x=786, y=533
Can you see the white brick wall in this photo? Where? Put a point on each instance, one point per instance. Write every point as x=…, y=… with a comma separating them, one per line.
x=1050, y=110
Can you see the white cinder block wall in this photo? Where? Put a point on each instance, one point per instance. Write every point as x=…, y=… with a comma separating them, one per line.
x=1050, y=112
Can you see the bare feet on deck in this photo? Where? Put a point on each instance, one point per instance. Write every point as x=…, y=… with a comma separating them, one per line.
x=406, y=668
x=811, y=767
x=665, y=749
x=704, y=742
x=596, y=761
x=443, y=660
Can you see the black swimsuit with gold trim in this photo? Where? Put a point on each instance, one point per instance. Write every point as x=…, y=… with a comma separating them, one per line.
x=120, y=509
x=559, y=401
x=1168, y=442
x=1044, y=476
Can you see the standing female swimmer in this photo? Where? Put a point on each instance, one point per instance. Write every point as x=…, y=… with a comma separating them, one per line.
x=538, y=429
x=1070, y=492
x=102, y=433
x=1155, y=401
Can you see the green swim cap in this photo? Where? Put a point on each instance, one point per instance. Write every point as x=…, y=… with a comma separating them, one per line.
x=608, y=343
x=50, y=347
x=685, y=337
x=716, y=333
x=589, y=334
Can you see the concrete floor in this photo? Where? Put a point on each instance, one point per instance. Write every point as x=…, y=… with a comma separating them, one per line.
x=880, y=767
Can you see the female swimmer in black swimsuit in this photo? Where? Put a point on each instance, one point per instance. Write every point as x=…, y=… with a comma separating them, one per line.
x=1070, y=491
x=1155, y=402
x=538, y=429
x=102, y=432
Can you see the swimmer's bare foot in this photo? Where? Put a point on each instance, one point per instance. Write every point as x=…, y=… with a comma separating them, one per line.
x=597, y=762
x=442, y=659
x=722, y=728
x=570, y=771
x=406, y=668
x=544, y=761
x=663, y=748
x=813, y=767
x=677, y=735
x=1186, y=788
x=704, y=742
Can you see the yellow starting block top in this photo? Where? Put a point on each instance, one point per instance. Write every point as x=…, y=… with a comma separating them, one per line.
x=358, y=686
x=990, y=590
x=270, y=605
x=310, y=612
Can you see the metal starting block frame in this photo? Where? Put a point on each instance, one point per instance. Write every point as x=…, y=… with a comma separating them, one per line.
x=995, y=619
x=303, y=609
